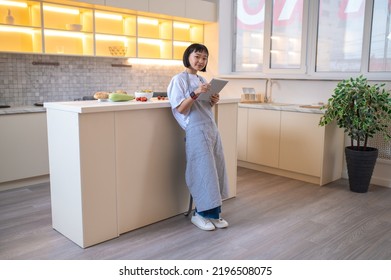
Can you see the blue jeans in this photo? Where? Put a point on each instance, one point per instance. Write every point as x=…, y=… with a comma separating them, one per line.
x=213, y=213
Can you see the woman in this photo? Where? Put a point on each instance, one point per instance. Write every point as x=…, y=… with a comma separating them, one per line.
x=206, y=175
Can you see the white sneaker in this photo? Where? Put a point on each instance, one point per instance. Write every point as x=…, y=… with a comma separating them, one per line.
x=201, y=222
x=219, y=223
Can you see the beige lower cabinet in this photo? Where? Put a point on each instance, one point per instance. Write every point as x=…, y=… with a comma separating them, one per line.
x=301, y=143
x=263, y=137
x=242, y=133
x=23, y=150
x=290, y=144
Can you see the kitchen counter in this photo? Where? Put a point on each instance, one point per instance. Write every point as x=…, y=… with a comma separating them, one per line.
x=119, y=166
x=286, y=140
x=22, y=110
x=95, y=106
x=313, y=109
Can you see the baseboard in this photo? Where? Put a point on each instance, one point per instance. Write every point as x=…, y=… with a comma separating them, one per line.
x=280, y=172
x=24, y=182
x=375, y=180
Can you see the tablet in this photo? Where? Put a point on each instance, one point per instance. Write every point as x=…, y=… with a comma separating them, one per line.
x=216, y=85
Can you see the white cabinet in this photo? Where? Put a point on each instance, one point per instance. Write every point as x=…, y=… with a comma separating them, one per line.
x=96, y=2
x=263, y=137
x=82, y=175
x=290, y=144
x=169, y=7
x=201, y=10
x=23, y=149
x=138, y=5
x=192, y=9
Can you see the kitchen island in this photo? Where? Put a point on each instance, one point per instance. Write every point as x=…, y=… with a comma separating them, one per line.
x=119, y=166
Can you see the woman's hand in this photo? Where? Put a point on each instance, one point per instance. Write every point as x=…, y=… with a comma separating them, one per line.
x=202, y=89
x=214, y=99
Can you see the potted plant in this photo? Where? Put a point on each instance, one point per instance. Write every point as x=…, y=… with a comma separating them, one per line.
x=362, y=110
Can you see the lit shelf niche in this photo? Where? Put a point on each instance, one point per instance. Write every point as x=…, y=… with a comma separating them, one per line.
x=24, y=34
x=115, y=34
x=184, y=35
x=68, y=30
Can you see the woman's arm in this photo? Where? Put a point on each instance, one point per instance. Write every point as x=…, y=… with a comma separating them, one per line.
x=188, y=102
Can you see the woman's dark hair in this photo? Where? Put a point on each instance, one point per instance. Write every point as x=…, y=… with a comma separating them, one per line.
x=194, y=48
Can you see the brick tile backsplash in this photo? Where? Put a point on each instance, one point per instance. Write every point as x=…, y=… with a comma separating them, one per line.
x=23, y=84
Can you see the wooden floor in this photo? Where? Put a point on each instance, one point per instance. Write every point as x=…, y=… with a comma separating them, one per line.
x=271, y=218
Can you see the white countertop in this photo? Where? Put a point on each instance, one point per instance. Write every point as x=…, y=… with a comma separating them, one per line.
x=22, y=110
x=94, y=106
x=303, y=108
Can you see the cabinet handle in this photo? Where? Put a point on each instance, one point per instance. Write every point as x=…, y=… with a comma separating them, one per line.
x=46, y=63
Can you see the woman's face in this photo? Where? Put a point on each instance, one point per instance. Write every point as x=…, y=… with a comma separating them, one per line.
x=198, y=60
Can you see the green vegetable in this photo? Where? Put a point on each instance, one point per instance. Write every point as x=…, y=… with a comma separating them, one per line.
x=120, y=97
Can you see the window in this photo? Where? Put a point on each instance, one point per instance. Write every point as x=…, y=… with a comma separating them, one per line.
x=286, y=34
x=340, y=36
x=323, y=38
x=380, y=54
x=249, y=35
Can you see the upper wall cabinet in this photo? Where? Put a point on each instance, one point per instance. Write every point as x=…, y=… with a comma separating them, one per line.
x=96, y=2
x=137, y=5
x=53, y=28
x=168, y=7
x=192, y=9
x=201, y=10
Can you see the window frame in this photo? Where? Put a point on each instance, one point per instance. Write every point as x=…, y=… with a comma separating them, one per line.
x=267, y=42
x=309, y=48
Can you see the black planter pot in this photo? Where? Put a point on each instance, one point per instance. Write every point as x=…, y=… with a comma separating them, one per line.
x=360, y=165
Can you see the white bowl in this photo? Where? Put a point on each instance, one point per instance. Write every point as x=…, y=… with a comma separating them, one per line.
x=74, y=27
x=148, y=95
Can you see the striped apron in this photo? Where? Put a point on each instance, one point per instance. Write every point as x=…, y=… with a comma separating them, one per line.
x=206, y=175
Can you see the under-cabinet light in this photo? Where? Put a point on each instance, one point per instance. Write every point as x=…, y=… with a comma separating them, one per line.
x=16, y=29
x=181, y=44
x=181, y=25
x=64, y=34
x=13, y=3
x=147, y=21
x=108, y=16
x=148, y=61
x=102, y=37
x=61, y=10
x=156, y=42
